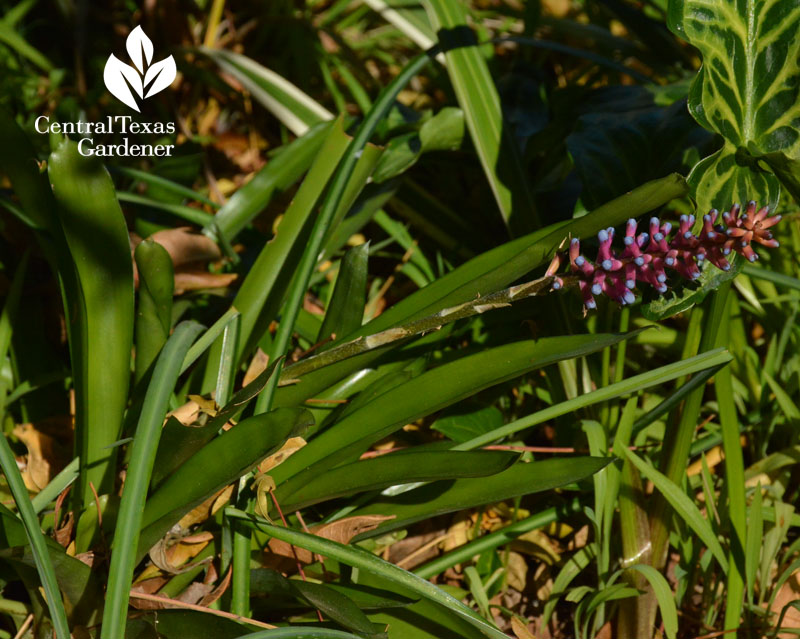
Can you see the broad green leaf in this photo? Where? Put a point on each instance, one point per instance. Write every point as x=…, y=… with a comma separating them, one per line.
x=683, y=506
x=300, y=632
x=464, y=422
x=356, y=557
x=332, y=603
x=746, y=90
x=477, y=96
x=346, y=309
x=101, y=332
x=429, y=392
x=444, y=497
x=382, y=472
x=622, y=143
x=296, y=110
x=154, y=310
x=221, y=461
x=442, y=132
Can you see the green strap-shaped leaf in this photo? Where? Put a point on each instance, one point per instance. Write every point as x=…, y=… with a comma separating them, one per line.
x=346, y=309
x=154, y=312
x=429, y=392
x=746, y=90
x=102, y=316
x=478, y=97
x=366, y=561
x=402, y=468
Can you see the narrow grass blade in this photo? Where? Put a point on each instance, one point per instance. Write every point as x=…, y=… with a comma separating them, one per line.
x=477, y=95
x=296, y=110
x=165, y=184
x=497, y=538
x=56, y=485
x=187, y=213
x=683, y=506
x=368, y=562
x=36, y=538
x=664, y=596
x=208, y=338
x=140, y=467
x=631, y=385
x=284, y=169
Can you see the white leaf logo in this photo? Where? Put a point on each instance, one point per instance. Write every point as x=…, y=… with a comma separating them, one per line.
x=123, y=80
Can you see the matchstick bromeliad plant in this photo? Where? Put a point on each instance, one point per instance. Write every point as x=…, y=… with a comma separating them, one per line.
x=431, y=328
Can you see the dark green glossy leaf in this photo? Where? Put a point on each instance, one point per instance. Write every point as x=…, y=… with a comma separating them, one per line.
x=442, y=132
x=221, y=461
x=429, y=392
x=154, y=310
x=443, y=497
x=464, y=422
x=382, y=472
x=346, y=309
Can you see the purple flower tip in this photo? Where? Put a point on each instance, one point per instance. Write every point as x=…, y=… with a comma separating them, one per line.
x=556, y=285
x=662, y=288
x=695, y=275
x=777, y=244
x=684, y=218
x=580, y=260
x=662, y=278
x=751, y=203
x=658, y=237
x=591, y=304
x=706, y=218
x=603, y=236
x=753, y=257
x=596, y=289
x=711, y=235
x=575, y=241
x=631, y=222
x=667, y=227
x=687, y=235
x=744, y=242
x=726, y=267
x=655, y=220
x=630, y=283
x=639, y=261
x=726, y=251
x=607, y=264
x=701, y=257
x=628, y=241
x=669, y=261
x=629, y=297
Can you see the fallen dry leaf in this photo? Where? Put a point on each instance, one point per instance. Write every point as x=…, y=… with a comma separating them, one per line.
x=789, y=592
x=520, y=630
x=185, y=247
x=342, y=531
x=517, y=571
x=45, y=458
x=193, y=281
x=292, y=445
x=257, y=366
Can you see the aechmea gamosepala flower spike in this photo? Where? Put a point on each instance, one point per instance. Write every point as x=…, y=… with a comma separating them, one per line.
x=646, y=257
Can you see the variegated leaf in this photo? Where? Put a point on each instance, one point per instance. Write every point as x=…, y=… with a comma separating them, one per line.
x=747, y=91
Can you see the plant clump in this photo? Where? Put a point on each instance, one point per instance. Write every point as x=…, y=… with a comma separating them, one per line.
x=647, y=255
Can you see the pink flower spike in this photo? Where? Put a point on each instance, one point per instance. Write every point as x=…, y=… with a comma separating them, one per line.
x=770, y=221
x=761, y=214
